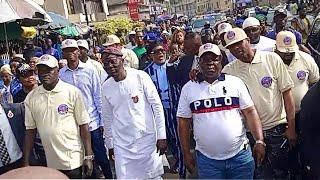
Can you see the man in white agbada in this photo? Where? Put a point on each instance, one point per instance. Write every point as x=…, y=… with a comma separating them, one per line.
x=134, y=120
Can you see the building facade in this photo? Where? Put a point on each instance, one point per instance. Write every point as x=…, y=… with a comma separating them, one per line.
x=184, y=7
x=74, y=10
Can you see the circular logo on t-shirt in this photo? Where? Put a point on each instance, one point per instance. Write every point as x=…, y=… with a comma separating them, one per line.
x=266, y=82
x=287, y=40
x=63, y=109
x=231, y=35
x=301, y=75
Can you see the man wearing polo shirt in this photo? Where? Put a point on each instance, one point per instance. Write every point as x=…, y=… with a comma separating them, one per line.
x=304, y=72
x=270, y=85
x=214, y=104
x=87, y=80
x=56, y=109
x=84, y=57
x=252, y=28
x=134, y=120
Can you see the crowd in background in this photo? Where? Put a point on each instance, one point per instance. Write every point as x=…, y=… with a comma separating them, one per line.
x=239, y=87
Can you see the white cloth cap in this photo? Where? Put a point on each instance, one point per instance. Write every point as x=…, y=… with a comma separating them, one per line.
x=224, y=27
x=111, y=39
x=49, y=61
x=83, y=43
x=235, y=35
x=286, y=42
x=250, y=21
x=132, y=33
x=208, y=47
x=69, y=43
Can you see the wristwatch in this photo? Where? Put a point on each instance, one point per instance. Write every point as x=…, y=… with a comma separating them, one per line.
x=261, y=142
x=90, y=157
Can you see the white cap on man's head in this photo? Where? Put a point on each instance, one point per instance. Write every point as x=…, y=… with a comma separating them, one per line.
x=286, y=42
x=111, y=40
x=224, y=27
x=250, y=22
x=208, y=47
x=132, y=33
x=69, y=43
x=234, y=35
x=49, y=61
x=83, y=43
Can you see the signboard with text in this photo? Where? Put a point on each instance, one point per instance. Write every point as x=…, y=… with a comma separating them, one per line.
x=134, y=9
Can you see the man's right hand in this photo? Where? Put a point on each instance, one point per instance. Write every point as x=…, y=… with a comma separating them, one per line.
x=189, y=162
x=174, y=58
x=111, y=154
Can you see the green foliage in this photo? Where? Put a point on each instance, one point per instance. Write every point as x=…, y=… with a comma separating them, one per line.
x=118, y=26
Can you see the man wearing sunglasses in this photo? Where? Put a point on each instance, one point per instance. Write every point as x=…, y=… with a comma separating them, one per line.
x=252, y=28
x=28, y=79
x=169, y=97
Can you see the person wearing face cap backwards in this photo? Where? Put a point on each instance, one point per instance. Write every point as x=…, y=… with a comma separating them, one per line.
x=213, y=103
x=56, y=109
x=304, y=73
x=134, y=120
x=270, y=87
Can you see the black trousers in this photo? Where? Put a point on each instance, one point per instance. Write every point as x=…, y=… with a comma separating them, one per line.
x=74, y=173
x=11, y=166
x=276, y=164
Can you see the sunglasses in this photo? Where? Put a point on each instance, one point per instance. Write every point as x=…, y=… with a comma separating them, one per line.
x=252, y=30
x=157, y=51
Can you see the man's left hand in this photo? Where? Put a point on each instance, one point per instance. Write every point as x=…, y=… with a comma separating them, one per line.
x=161, y=146
x=292, y=136
x=87, y=167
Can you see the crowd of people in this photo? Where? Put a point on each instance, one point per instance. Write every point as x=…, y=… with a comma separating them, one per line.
x=226, y=103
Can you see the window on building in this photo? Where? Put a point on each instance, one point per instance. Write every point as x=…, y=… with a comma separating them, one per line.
x=74, y=6
x=94, y=6
x=70, y=7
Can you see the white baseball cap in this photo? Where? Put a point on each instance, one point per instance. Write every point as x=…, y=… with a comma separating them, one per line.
x=83, y=43
x=224, y=27
x=112, y=39
x=208, y=47
x=234, y=35
x=49, y=61
x=69, y=43
x=286, y=42
x=250, y=21
x=132, y=33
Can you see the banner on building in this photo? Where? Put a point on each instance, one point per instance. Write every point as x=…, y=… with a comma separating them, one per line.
x=133, y=9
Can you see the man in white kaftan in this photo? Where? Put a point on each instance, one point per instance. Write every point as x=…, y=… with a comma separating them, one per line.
x=134, y=120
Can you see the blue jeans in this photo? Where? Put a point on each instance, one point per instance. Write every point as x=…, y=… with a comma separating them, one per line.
x=100, y=152
x=241, y=166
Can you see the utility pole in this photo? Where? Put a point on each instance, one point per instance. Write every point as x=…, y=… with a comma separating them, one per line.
x=85, y=11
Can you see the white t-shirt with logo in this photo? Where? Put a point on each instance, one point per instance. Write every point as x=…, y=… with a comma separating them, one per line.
x=265, y=44
x=215, y=109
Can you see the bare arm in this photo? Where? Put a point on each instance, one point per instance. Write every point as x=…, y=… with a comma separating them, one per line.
x=184, y=134
x=289, y=107
x=290, y=111
x=28, y=145
x=254, y=122
x=86, y=139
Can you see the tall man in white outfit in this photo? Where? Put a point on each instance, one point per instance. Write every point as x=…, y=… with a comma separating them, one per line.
x=134, y=120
